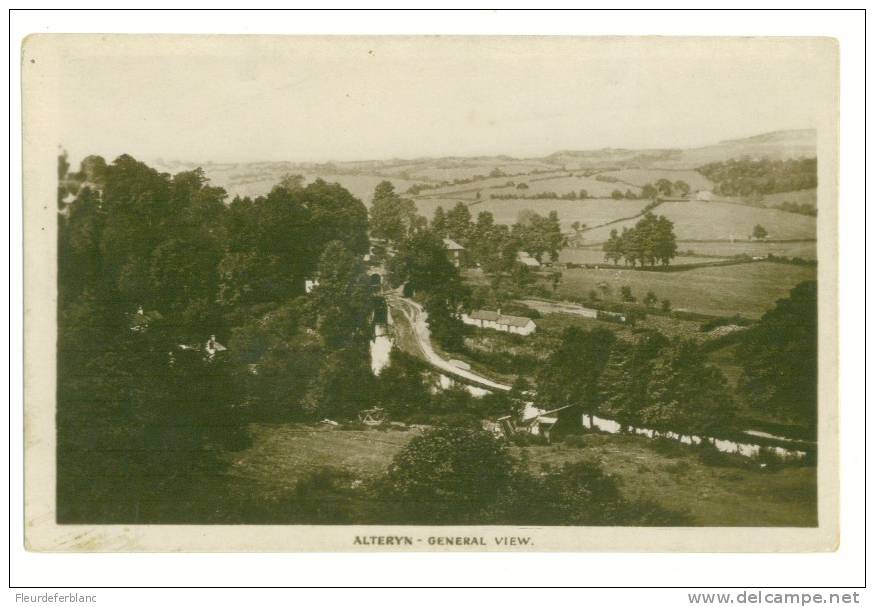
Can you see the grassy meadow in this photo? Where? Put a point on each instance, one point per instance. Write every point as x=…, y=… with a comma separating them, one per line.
x=694, y=220
x=745, y=289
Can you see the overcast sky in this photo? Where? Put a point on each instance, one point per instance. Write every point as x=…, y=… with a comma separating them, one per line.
x=318, y=99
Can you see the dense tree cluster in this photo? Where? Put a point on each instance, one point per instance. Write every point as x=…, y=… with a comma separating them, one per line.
x=650, y=382
x=779, y=357
x=745, y=177
x=152, y=267
x=393, y=218
x=651, y=241
x=572, y=195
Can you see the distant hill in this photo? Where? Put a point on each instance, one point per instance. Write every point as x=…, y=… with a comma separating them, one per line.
x=777, y=145
x=360, y=177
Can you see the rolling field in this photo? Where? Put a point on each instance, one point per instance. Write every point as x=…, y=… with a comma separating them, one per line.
x=594, y=255
x=590, y=211
x=721, y=221
x=805, y=249
x=800, y=197
x=641, y=177
x=469, y=167
x=746, y=289
x=565, y=184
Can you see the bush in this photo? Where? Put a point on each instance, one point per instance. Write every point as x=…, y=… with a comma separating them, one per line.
x=712, y=456
x=668, y=447
x=446, y=475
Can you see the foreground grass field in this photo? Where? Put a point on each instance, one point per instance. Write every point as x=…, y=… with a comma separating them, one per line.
x=746, y=289
x=283, y=454
x=678, y=480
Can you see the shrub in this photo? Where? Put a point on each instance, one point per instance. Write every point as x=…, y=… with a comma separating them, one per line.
x=712, y=456
x=448, y=475
x=668, y=447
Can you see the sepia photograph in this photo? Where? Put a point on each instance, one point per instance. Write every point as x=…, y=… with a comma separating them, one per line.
x=438, y=292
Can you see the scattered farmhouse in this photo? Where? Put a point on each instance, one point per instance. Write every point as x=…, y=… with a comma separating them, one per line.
x=310, y=284
x=455, y=251
x=527, y=260
x=487, y=319
x=213, y=347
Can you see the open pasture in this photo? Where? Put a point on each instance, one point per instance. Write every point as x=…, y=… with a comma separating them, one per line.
x=591, y=211
x=594, y=255
x=806, y=249
x=564, y=184
x=746, y=289
x=799, y=197
x=696, y=220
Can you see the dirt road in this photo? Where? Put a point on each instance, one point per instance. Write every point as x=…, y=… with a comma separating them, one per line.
x=416, y=317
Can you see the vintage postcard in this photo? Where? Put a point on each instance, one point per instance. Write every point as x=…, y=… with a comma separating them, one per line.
x=478, y=293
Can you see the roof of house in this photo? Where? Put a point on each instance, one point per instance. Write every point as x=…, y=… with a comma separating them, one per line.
x=452, y=245
x=502, y=319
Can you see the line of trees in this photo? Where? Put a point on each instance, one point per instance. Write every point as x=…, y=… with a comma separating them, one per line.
x=651, y=241
x=746, y=177
x=669, y=385
x=651, y=381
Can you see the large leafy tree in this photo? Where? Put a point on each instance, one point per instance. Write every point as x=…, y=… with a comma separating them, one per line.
x=422, y=265
x=686, y=394
x=571, y=373
x=779, y=357
x=448, y=475
x=624, y=384
x=458, y=223
x=393, y=218
x=342, y=303
x=539, y=235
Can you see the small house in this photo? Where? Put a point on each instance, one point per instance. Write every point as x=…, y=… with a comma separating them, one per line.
x=213, y=347
x=487, y=319
x=455, y=251
x=704, y=195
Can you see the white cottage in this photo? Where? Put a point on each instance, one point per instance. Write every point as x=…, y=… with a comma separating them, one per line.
x=487, y=319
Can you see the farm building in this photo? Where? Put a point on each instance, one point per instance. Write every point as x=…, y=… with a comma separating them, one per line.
x=213, y=347
x=527, y=260
x=487, y=319
x=705, y=195
x=455, y=250
x=310, y=284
